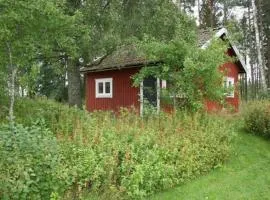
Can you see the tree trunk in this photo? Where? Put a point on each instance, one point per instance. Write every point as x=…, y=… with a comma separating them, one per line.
x=258, y=46
x=199, y=11
x=178, y=3
x=12, y=94
x=225, y=10
x=74, y=85
x=268, y=62
x=211, y=8
x=11, y=84
x=253, y=90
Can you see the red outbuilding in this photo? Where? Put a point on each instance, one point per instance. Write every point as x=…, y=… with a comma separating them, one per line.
x=109, y=84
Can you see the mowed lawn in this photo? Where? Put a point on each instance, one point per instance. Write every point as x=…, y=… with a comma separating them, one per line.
x=245, y=176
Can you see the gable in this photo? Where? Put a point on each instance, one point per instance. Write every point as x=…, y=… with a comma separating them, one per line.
x=207, y=36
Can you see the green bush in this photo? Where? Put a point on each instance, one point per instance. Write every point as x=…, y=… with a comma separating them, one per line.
x=3, y=107
x=257, y=118
x=29, y=164
x=124, y=156
x=137, y=158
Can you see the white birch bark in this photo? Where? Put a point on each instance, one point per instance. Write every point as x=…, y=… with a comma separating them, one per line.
x=178, y=4
x=258, y=46
x=141, y=99
x=11, y=84
x=199, y=10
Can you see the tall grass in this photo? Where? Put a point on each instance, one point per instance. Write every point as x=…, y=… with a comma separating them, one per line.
x=126, y=155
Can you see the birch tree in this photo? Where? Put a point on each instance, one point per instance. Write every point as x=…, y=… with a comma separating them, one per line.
x=27, y=29
x=258, y=46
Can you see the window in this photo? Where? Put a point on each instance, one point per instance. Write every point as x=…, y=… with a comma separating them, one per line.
x=104, y=88
x=229, y=86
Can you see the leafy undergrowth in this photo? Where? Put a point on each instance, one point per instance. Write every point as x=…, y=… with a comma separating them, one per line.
x=245, y=176
x=257, y=118
x=108, y=156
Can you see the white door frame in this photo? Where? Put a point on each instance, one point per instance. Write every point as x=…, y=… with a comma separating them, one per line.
x=158, y=95
x=142, y=99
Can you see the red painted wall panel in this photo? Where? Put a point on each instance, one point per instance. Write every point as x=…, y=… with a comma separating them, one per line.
x=230, y=70
x=124, y=94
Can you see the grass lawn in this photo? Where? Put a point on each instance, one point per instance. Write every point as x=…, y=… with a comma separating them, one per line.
x=245, y=176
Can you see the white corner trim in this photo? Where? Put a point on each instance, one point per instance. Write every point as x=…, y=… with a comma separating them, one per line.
x=104, y=81
x=141, y=99
x=158, y=95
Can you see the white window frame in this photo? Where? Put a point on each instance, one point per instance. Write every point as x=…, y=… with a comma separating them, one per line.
x=104, y=94
x=231, y=93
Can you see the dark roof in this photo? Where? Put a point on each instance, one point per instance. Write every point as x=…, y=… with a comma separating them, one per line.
x=123, y=57
x=130, y=56
x=204, y=35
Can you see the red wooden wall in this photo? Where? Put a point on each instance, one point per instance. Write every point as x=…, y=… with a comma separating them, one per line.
x=231, y=70
x=124, y=94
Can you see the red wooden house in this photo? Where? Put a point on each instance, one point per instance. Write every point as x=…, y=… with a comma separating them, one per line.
x=109, y=84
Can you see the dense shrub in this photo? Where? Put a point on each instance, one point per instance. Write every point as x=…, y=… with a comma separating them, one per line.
x=126, y=156
x=29, y=164
x=257, y=117
x=3, y=107
x=139, y=158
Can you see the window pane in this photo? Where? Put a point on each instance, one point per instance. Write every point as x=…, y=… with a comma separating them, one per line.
x=100, y=88
x=107, y=87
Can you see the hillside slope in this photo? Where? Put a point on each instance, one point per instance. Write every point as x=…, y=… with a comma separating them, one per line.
x=245, y=176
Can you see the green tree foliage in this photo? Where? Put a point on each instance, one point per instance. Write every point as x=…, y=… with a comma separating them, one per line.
x=157, y=19
x=193, y=72
x=209, y=14
x=31, y=27
x=28, y=30
x=214, y=13
x=51, y=82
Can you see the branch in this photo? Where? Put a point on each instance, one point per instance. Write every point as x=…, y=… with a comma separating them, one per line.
x=97, y=62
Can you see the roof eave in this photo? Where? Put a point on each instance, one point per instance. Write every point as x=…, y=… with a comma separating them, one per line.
x=88, y=70
x=118, y=67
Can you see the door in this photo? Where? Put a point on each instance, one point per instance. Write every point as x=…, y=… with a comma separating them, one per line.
x=150, y=91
